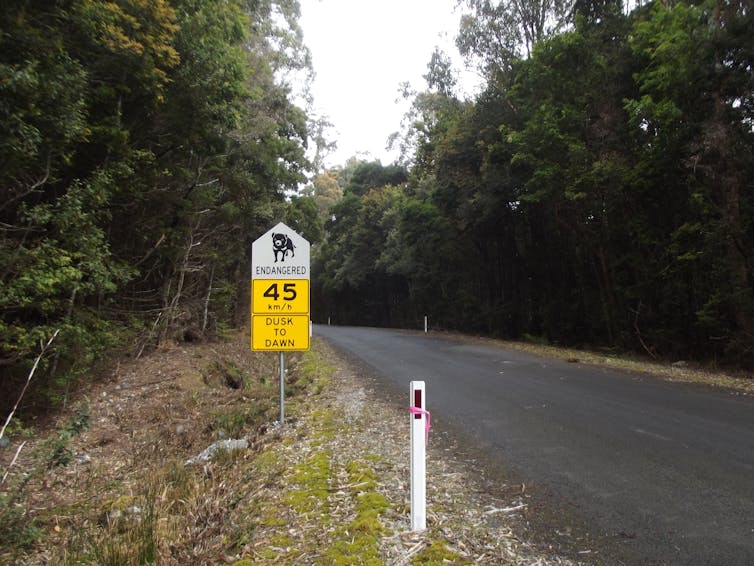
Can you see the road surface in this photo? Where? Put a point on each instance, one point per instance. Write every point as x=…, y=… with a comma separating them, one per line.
x=664, y=469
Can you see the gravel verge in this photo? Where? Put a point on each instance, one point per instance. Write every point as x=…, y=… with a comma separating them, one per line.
x=351, y=423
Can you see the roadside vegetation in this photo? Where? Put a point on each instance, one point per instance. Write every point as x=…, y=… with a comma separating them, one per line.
x=595, y=194
x=108, y=482
x=144, y=146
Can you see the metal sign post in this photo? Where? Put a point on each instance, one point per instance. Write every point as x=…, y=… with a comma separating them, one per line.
x=280, y=271
x=282, y=388
x=419, y=434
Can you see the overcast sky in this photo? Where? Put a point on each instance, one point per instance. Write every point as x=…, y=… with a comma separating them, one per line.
x=362, y=51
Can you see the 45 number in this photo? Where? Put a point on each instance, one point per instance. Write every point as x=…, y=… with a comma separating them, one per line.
x=288, y=293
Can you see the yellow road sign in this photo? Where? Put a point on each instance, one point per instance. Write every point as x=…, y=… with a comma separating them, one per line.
x=279, y=333
x=280, y=271
x=280, y=296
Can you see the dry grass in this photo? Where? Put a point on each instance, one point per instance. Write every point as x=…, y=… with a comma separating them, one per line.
x=680, y=371
x=126, y=497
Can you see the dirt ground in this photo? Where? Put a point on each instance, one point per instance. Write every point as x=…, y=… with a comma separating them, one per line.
x=109, y=483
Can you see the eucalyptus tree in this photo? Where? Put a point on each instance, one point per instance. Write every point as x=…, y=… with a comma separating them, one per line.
x=496, y=33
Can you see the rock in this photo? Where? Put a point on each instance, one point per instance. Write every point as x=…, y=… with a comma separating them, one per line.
x=4, y=442
x=113, y=515
x=180, y=429
x=679, y=364
x=83, y=458
x=228, y=444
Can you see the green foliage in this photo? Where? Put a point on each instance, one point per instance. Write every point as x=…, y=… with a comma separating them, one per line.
x=303, y=216
x=16, y=531
x=145, y=144
x=596, y=192
x=57, y=451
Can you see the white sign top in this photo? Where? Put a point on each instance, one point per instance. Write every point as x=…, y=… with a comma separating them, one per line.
x=280, y=253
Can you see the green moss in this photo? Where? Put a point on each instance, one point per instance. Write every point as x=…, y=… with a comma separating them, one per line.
x=372, y=501
x=281, y=541
x=326, y=423
x=367, y=524
x=361, y=476
x=359, y=550
x=268, y=554
x=268, y=464
x=438, y=553
x=358, y=542
x=313, y=480
x=312, y=374
x=273, y=519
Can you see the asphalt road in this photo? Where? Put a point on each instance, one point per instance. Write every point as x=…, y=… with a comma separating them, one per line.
x=664, y=469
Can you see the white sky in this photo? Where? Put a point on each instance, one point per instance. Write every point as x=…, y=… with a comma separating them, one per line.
x=362, y=50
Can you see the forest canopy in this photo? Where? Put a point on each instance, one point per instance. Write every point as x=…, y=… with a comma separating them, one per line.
x=598, y=191
x=144, y=145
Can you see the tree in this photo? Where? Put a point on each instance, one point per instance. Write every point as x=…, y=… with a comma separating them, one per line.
x=326, y=191
x=373, y=175
x=303, y=216
x=704, y=51
x=148, y=143
x=496, y=34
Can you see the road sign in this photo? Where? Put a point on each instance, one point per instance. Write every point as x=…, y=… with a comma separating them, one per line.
x=278, y=333
x=280, y=291
x=275, y=296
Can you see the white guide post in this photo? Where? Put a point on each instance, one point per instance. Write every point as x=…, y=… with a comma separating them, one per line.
x=419, y=429
x=425, y=324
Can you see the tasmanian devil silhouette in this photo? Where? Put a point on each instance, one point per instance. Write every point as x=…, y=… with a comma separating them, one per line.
x=282, y=244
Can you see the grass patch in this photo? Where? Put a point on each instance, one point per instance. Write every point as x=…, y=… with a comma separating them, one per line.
x=312, y=373
x=236, y=421
x=124, y=533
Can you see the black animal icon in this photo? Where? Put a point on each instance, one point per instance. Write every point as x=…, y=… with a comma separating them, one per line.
x=282, y=244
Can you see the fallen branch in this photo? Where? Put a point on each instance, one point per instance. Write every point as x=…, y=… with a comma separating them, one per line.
x=18, y=402
x=413, y=551
x=28, y=380
x=15, y=457
x=494, y=510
